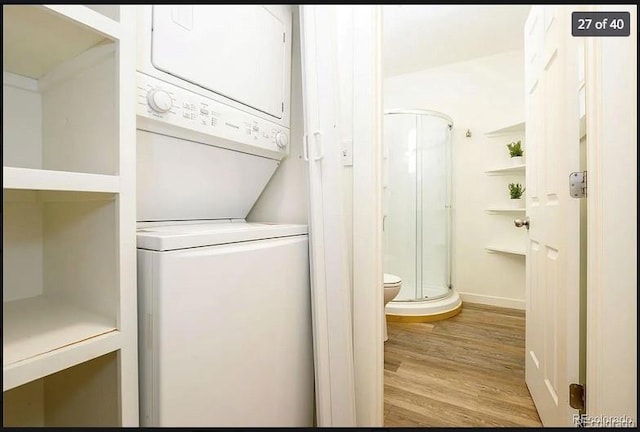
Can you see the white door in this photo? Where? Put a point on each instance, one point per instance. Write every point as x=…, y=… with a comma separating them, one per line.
x=552, y=270
x=330, y=290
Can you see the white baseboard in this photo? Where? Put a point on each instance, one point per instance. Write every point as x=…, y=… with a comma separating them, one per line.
x=492, y=301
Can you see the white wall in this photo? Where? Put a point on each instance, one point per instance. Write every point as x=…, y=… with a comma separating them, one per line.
x=481, y=95
x=284, y=199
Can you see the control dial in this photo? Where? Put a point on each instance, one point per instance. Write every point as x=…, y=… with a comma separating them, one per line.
x=159, y=100
x=282, y=140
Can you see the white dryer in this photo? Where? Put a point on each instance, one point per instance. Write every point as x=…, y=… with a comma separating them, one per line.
x=224, y=305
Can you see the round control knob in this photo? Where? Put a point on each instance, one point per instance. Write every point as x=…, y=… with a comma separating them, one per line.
x=282, y=140
x=159, y=100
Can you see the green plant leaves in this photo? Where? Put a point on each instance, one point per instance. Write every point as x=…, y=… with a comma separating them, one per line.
x=516, y=190
x=515, y=148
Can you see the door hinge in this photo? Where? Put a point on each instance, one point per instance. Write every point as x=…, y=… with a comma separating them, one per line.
x=576, y=396
x=578, y=184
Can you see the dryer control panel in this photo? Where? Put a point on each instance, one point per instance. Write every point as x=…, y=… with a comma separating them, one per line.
x=199, y=118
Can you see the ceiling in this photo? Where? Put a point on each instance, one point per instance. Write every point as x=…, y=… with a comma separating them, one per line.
x=417, y=37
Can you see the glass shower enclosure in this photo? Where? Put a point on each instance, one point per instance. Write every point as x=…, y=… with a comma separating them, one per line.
x=417, y=202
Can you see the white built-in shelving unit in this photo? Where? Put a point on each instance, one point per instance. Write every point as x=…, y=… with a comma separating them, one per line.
x=506, y=238
x=69, y=281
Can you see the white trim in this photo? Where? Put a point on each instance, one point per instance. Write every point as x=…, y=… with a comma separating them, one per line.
x=368, y=292
x=593, y=69
x=493, y=301
x=128, y=313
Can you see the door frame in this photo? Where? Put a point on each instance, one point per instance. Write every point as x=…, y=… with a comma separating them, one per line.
x=330, y=297
x=368, y=292
x=611, y=113
x=604, y=396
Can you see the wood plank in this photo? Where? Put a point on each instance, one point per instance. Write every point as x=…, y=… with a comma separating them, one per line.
x=470, y=395
x=466, y=371
x=493, y=309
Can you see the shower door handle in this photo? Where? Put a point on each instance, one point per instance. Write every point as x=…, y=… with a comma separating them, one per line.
x=384, y=217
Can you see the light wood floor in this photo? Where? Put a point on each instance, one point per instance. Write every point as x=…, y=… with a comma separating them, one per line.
x=464, y=371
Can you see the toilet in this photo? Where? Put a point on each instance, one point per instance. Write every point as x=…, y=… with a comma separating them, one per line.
x=392, y=284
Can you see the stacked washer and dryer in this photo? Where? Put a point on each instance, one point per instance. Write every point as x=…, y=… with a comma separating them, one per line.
x=224, y=304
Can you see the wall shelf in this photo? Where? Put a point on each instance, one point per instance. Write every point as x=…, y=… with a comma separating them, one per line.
x=38, y=325
x=503, y=231
x=20, y=373
x=516, y=169
x=516, y=128
x=38, y=179
x=497, y=210
x=507, y=250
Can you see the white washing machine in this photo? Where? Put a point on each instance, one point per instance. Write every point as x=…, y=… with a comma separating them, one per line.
x=224, y=305
x=225, y=335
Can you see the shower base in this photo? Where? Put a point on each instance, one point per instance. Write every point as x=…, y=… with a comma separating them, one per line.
x=424, y=311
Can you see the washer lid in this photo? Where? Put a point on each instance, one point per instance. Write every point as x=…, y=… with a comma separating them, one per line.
x=183, y=236
x=390, y=279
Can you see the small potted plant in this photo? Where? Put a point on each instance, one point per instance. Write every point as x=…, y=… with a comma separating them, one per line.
x=515, y=191
x=515, y=151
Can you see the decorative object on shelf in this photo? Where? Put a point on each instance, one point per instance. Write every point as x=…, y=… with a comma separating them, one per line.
x=515, y=191
x=516, y=153
x=468, y=134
